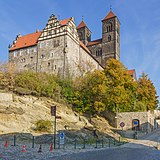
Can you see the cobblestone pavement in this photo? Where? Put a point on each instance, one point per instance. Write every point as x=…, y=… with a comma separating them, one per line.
x=141, y=149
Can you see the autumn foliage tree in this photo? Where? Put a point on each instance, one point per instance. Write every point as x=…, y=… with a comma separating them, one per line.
x=121, y=92
x=90, y=93
x=146, y=93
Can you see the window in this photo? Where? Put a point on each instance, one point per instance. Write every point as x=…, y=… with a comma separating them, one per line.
x=109, y=38
x=99, y=52
x=42, y=56
x=55, y=67
x=23, y=60
x=28, y=50
x=14, y=53
x=20, y=52
x=109, y=27
x=49, y=33
x=31, y=59
x=49, y=64
x=42, y=44
x=56, y=43
x=52, y=54
x=35, y=49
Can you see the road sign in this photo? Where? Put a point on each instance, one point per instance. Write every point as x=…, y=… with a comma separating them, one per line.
x=61, y=138
x=58, y=117
x=53, y=110
x=122, y=124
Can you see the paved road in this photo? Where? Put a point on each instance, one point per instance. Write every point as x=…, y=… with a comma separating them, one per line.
x=141, y=149
x=115, y=154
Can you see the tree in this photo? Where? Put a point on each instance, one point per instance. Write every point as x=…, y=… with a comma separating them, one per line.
x=146, y=92
x=121, y=92
x=7, y=74
x=90, y=93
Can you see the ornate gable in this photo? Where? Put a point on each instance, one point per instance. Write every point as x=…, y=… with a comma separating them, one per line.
x=53, y=28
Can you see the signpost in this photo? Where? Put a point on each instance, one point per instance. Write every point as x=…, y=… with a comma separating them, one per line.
x=53, y=113
x=122, y=124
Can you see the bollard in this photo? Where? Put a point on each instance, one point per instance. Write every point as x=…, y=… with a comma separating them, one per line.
x=102, y=143
x=109, y=142
x=51, y=148
x=84, y=144
x=96, y=143
x=33, y=142
x=119, y=139
x=14, y=140
x=24, y=148
x=75, y=143
x=114, y=142
x=6, y=144
x=40, y=148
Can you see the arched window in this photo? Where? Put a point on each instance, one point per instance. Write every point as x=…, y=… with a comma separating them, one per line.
x=109, y=27
x=109, y=38
x=99, y=52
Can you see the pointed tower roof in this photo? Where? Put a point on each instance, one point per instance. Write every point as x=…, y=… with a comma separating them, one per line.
x=109, y=15
x=82, y=24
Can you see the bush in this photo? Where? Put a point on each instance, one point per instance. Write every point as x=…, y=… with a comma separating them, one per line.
x=44, y=126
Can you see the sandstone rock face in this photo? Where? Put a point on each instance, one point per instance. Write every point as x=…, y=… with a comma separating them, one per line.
x=20, y=114
x=4, y=97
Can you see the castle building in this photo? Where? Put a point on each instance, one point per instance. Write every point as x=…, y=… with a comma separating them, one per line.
x=66, y=50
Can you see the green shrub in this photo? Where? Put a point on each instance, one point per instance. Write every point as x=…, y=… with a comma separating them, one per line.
x=44, y=126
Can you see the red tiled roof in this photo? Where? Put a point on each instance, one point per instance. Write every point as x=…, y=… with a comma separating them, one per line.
x=84, y=47
x=82, y=24
x=131, y=72
x=65, y=21
x=109, y=15
x=26, y=41
x=97, y=41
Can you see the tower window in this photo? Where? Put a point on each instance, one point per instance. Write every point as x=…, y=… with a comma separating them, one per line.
x=99, y=52
x=109, y=27
x=109, y=38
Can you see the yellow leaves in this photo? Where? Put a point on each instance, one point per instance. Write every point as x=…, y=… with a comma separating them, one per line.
x=99, y=106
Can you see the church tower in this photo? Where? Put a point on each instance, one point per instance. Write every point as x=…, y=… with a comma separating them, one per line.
x=84, y=33
x=110, y=38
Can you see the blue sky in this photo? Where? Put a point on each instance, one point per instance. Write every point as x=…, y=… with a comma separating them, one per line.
x=140, y=26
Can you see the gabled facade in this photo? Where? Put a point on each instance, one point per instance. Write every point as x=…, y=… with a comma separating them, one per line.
x=56, y=49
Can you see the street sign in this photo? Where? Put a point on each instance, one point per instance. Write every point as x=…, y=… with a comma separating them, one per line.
x=61, y=137
x=122, y=124
x=53, y=110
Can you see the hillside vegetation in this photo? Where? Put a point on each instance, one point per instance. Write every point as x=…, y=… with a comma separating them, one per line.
x=112, y=89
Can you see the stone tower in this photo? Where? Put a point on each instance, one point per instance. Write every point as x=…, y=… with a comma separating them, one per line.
x=110, y=38
x=84, y=33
